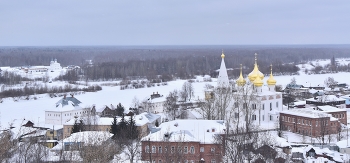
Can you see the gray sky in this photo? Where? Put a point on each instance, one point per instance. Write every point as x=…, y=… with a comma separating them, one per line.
x=173, y=22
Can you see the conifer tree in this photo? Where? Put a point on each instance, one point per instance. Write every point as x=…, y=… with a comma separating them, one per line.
x=77, y=127
x=121, y=129
x=114, y=128
x=120, y=109
x=132, y=132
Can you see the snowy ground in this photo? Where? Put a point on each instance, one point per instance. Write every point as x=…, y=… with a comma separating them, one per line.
x=33, y=110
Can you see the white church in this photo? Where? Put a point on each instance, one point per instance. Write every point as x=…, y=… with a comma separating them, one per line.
x=267, y=102
x=54, y=65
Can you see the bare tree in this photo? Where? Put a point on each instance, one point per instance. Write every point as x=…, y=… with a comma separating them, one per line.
x=170, y=105
x=246, y=102
x=187, y=91
x=222, y=101
x=207, y=109
x=7, y=145
x=330, y=82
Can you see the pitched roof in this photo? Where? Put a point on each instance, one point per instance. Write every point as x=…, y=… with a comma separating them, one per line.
x=68, y=100
x=202, y=131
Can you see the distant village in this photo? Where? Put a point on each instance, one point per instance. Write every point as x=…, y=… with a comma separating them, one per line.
x=242, y=120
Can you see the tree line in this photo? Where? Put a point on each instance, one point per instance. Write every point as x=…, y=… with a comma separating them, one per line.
x=169, y=61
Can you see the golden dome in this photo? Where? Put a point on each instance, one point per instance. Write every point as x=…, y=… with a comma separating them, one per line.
x=240, y=81
x=258, y=82
x=255, y=73
x=271, y=80
x=222, y=54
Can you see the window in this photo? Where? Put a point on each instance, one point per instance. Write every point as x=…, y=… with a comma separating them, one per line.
x=270, y=117
x=160, y=149
x=159, y=161
x=263, y=117
x=192, y=149
x=236, y=115
x=212, y=150
x=253, y=106
x=165, y=149
x=147, y=149
x=254, y=117
x=270, y=106
x=201, y=149
x=153, y=149
x=245, y=106
x=172, y=149
x=263, y=107
x=316, y=123
x=185, y=149
x=282, y=118
x=276, y=104
x=213, y=161
x=179, y=149
x=236, y=104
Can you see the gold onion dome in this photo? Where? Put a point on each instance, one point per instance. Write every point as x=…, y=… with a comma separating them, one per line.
x=258, y=82
x=271, y=80
x=240, y=81
x=255, y=73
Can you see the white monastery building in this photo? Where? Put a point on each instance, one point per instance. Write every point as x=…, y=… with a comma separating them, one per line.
x=66, y=109
x=264, y=102
x=54, y=65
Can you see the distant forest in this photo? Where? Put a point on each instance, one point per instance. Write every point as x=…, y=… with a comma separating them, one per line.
x=169, y=61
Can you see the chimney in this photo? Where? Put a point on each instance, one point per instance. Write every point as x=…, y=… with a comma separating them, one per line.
x=72, y=94
x=64, y=96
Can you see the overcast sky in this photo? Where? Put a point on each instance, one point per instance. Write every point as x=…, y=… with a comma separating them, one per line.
x=173, y=22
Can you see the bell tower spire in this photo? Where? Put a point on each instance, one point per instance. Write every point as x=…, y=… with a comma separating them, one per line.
x=223, y=77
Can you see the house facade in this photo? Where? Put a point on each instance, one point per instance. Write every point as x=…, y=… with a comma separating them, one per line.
x=309, y=122
x=184, y=141
x=66, y=109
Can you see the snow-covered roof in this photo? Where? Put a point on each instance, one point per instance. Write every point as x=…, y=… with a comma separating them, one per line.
x=343, y=144
x=202, y=131
x=281, y=142
x=68, y=101
x=328, y=109
x=307, y=112
x=300, y=103
x=194, y=113
x=158, y=99
x=326, y=98
x=140, y=120
x=150, y=116
x=346, y=97
x=95, y=120
x=88, y=137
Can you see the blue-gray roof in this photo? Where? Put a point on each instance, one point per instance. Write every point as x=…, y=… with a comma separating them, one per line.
x=65, y=101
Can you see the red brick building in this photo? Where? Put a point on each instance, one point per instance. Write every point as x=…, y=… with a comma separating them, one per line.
x=184, y=141
x=313, y=121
